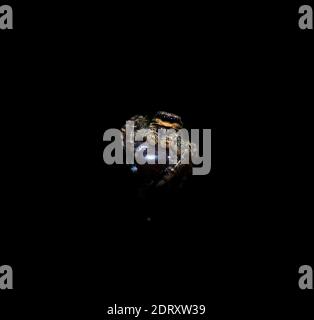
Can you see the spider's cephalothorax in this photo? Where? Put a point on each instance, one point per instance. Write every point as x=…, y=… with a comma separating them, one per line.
x=156, y=174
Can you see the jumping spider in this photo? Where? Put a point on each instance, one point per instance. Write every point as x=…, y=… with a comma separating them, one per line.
x=172, y=173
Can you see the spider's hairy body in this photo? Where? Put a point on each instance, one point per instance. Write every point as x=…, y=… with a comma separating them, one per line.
x=162, y=130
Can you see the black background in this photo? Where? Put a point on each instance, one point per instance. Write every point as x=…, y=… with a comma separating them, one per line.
x=73, y=231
